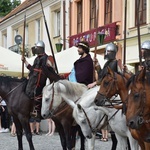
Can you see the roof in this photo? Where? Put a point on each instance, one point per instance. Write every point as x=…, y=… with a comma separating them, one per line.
x=21, y=7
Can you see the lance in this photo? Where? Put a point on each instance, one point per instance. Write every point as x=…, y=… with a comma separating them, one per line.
x=96, y=38
x=49, y=36
x=23, y=48
x=138, y=31
x=125, y=28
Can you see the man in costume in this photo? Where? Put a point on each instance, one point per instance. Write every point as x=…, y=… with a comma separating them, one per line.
x=110, y=55
x=83, y=67
x=145, y=51
x=40, y=60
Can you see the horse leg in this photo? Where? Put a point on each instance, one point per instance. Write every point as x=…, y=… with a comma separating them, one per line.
x=61, y=132
x=82, y=138
x=67, y=130
x=26, y=127
x=122, y=143
x=73, y=136
x=19, y=132
x=114, y=140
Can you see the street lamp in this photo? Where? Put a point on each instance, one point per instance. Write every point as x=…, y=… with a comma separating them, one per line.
x=101, y=36
x=58, y=46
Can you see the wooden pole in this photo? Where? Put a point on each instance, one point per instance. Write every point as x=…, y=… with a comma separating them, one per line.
x=23, y=49
x=64, y=24
x=51, y=47
x=125, y=30
x=138, y=31
x=96, y=39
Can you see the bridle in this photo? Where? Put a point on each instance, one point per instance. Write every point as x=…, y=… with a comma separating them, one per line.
x=13, y=89
x=93, y=130
x=113, y=85
x=142, y=107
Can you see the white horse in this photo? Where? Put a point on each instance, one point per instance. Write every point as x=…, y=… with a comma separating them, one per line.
x=117, y=121
x=60, y=90
x=53, y=95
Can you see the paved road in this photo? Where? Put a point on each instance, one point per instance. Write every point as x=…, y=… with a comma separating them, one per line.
x=42, y=142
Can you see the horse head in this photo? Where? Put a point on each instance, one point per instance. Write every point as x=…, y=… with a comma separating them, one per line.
x=37, y=78
x=111, y=85
x=49, y=104
x=55, y=94
x=89, y=118
x=138, y=104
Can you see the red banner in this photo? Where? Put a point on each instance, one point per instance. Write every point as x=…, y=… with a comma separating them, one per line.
x=109, y=30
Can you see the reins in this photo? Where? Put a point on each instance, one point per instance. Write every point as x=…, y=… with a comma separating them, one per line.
x=13, y=89
x=39, y=76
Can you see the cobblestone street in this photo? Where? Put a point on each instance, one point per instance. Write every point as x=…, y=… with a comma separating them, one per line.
x=42, y=142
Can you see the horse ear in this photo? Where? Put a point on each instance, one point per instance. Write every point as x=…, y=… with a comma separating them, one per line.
x=141, y=75
x=49, y=86
x=69, y=102
x=109, y=71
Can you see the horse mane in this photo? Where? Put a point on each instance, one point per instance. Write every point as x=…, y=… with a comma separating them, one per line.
x=73, y=88
x=133, y=79
x=9, y=79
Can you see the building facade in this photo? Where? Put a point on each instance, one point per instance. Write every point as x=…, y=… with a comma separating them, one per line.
x=70, y=21
x=35, y=28
x=111, y=21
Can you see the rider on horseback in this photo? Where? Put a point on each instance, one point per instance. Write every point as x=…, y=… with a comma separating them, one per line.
x=40, y=60
x=110, y=56
x=145, y=50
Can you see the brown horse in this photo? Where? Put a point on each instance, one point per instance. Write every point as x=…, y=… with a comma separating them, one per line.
x=62, y=118
x=138, y=104
x=115, y=83
x=19, y=106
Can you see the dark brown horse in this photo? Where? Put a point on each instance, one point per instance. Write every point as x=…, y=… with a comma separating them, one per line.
x=62, y=118
x=138, y=104
x=19, y=106
x=115, y=83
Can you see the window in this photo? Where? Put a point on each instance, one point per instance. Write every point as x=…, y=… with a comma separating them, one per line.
x=142, y=11
x=79, y=17
x=57, y=23
x=38, y=30
x=92, y=14
x=108, y=12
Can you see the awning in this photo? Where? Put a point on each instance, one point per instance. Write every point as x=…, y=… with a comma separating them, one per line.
x=10, y=63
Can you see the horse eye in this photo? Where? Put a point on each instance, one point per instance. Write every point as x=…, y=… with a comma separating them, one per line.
x=47, y=99
x=84, y=121
x=106, y=83
x=136, y=95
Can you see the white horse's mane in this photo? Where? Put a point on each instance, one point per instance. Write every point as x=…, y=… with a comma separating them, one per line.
x=73, y=89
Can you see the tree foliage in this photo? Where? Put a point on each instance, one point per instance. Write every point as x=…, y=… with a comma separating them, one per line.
x=6, y=6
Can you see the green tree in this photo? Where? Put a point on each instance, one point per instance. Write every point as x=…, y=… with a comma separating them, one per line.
x=6, y=6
